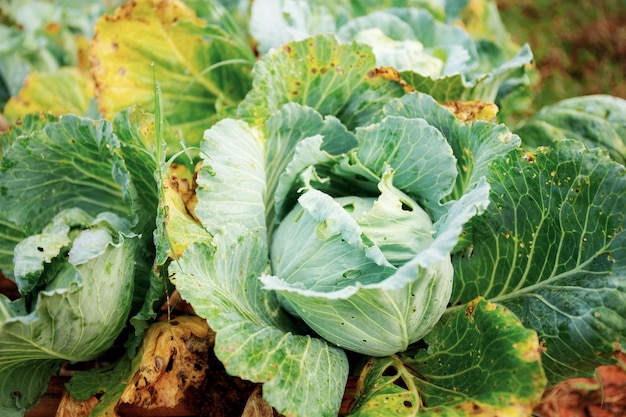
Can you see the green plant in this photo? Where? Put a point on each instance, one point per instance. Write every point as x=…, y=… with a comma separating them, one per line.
x=342, y=219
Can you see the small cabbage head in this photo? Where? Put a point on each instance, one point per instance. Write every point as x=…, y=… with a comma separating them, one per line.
x=365, y=273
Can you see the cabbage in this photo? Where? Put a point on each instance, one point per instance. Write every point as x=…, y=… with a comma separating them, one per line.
x=359, y=299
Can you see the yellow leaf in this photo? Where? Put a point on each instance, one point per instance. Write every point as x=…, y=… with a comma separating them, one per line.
x=162, y=39
x=183, y=228
x=61, y=92
x=472, y=110
x=174, y=358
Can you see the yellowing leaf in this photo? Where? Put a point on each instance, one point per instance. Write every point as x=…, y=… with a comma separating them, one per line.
x=472, y=110
x=183, y=227
x=61, y=92
x=174, y=359
x=200, y=69
x=70, y=407
x=256, y=406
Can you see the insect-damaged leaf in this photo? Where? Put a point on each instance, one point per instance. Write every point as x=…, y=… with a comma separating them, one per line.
x=480, y=361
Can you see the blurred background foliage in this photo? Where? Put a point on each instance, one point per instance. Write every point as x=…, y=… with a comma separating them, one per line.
x=579, y=46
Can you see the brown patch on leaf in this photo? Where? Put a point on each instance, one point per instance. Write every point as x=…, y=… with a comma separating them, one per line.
x=185, y=186
x=175, y=360
x=391, y=74
x=256, y=406
x=472, y=110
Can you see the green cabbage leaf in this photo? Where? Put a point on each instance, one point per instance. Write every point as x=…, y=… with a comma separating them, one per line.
x=79, y=207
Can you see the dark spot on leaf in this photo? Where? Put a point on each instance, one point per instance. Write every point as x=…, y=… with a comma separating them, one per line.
x=39, y=248
x=286, y=48
x=313, y=70
x=158, y=363
x=323, y=70
x=407, y=404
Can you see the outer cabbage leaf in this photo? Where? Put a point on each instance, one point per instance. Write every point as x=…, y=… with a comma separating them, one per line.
x=232, y=178
x=75, y=162
x=480, y=360
x=255, y=339
x=474, y=144
x=28, y=124
x=492, y=84
x=81, y=309
x=318, y=72
x=68, y=90
x=597, y=121
x=203, y=69
x=552, y=249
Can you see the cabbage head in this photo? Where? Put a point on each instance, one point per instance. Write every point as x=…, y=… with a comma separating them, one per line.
x=363, y=272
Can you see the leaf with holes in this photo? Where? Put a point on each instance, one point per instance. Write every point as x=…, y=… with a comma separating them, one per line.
x=552, y=248
x=480, y=361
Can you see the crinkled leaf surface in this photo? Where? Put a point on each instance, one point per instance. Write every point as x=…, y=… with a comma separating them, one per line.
x=474, y=144
x=232, y=178
x=68, y=90
x=255, y=339
x=485, y=86
x=77, y=316
x=479, y=361
x=552, y=249
x=423, y=162
x=202, y=68
x=317, y=72
x=597, y=121
x=71, y=163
